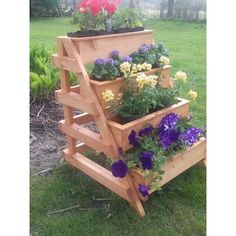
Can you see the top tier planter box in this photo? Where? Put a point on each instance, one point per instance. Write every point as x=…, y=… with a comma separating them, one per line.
x=93, y=47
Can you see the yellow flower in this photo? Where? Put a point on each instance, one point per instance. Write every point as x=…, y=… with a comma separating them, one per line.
x=181, y=76
x=143, y=79
x=192, y=94
x=134, y=68
x=164, y=60
x=146, y=66
x=139, y=67
x=108, y=95
x=125, y=67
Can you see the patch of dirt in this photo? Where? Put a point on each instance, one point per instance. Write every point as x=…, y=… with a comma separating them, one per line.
x=46, y=141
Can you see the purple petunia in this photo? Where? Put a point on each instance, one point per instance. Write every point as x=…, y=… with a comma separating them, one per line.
x=190, y=136
x=119, y=169
x=143, y=189
x=127, y=59
x=146, y=159
x=165, y=142
x=99, y=61
x=133, y=139
x=168, y=123
x=115, y=53
x=145, y=131
x=143, y=49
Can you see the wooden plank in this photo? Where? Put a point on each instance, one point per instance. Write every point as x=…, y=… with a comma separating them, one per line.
x=100, y=174
x=84, y=135
x=77, y=101
x=65, y=63
x=82, y=147
x=83, y=118
x=101, y=46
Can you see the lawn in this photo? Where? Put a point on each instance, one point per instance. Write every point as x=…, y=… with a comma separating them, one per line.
x=178, y=209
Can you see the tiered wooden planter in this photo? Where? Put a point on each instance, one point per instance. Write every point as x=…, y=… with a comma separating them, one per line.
x=72, y=55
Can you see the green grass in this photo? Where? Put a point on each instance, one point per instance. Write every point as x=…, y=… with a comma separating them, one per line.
x=179, y=209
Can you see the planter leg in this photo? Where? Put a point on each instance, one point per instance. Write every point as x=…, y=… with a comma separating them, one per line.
x=203, y=163
x=135, y=201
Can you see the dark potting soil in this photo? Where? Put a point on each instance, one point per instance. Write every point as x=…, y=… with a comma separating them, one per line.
x=89, y=33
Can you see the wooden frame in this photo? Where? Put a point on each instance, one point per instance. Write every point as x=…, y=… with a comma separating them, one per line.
x=72, y=55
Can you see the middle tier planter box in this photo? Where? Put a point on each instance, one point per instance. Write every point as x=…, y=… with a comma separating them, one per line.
x=121, y=132
x=117, y=85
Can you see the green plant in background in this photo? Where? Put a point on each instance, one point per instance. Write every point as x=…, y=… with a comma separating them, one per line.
x=44, y=77
x=126, y=18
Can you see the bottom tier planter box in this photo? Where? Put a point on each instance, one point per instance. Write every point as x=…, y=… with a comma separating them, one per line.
x=175, y=166
x=121, y=132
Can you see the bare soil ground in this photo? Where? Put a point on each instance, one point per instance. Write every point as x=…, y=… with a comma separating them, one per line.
x=46, y=140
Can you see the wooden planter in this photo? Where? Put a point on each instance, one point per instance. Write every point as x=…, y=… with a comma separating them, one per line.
x=72, y=56
x=175, y=166
x=121, y=132
x=117, y=85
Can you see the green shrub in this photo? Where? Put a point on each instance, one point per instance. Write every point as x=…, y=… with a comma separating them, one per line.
x=44, y=77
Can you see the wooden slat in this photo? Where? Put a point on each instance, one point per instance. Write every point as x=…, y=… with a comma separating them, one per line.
x=184, y=161
x=83, y=118
x=77, y=101
x=100, y=174
x=65, y=63
x=82, y=147
x=84, y=135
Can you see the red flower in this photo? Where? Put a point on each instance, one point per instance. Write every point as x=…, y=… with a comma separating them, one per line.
x=95, y=8
x=110, y=7
x=82, y=10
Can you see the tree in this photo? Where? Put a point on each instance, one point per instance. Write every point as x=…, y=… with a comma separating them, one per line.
x=170, y=8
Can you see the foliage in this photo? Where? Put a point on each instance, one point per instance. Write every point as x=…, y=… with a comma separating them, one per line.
x=132, y=104
x=105, y=69
x=161, y=97
x=89, y=22
x=44, y=77
x=126, y=18
x=43, y=7
x=150, y=54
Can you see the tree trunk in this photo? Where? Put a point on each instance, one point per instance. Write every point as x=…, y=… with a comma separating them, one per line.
x=132, y=3
x=170, y=8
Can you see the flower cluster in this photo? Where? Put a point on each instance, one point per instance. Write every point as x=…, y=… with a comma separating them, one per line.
x=101, y=61
x=181, y=76
x=150, y=80
x=164, y=60
x=143, y=189
x=96, y=6
x=108, y=95
x=167, y=130
x=191, y=136
x=192, y=94
x=127, y=59
x=125, y=67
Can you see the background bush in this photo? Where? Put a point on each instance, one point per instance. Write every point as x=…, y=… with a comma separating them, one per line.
x=44, y=77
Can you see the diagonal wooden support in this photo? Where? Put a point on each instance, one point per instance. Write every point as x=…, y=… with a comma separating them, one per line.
x=122, y=187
